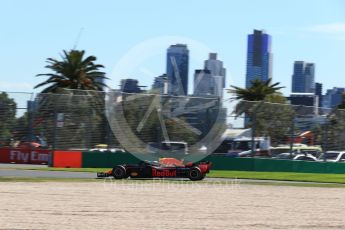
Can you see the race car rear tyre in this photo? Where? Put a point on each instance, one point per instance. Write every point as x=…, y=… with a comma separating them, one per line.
x=119, y=172
x=195, y=174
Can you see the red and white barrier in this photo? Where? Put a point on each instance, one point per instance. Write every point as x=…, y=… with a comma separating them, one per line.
x=24, y=156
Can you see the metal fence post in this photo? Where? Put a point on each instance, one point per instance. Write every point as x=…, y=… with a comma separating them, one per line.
x=253, y=149
x=292, y=136
x=253, y=133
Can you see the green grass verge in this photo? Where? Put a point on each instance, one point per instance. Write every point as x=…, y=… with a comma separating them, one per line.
x=282, y=176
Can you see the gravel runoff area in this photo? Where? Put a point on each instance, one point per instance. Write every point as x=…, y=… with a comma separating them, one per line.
x=162, y=205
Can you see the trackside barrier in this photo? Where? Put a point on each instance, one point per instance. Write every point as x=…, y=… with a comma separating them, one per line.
x=24, y=155
x=67, y=159
x=94, y=159
x=273, y=165
x=91, y=159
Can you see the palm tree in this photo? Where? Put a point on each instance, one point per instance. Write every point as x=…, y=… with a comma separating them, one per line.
x=263, y=117
x=75, y=89
x=73, y=72
x=257, y=92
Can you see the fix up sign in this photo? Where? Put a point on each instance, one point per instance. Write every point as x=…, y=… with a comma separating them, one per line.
x=24, y=156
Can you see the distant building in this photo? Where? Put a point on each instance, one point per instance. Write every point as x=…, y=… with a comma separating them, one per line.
x=130, y=86
x=160, y=84
x=204, y=83
x=303, y=77
x=177, y=69
x=305, y=99
x=202, y=114
x=259, y=57
x=218, y=72
x=333, y=97
x=318, y=92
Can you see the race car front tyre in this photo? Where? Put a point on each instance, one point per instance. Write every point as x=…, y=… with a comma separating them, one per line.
x=195, y=174
x=119, y=172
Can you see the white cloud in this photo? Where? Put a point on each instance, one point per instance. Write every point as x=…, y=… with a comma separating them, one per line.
x=331, y=28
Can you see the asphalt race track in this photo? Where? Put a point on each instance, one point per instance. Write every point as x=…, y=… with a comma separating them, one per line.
x=22, y=170
x=19, y=170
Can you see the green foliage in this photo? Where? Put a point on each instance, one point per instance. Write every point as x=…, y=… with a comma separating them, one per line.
x=75, y=80
x=83, y=118
x=21, y=127
x=178, y=132
x=73, y=72
x=271, y=119
x=334, y=135
x=7, y=116
x=257, y=92
x=152, y=127
x=272, y=116
x=276, y=98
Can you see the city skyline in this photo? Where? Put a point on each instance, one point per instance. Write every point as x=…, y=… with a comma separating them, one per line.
x=29, y=39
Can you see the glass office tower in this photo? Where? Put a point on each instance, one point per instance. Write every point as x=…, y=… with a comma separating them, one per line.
x=177, y=69
x=259, y=57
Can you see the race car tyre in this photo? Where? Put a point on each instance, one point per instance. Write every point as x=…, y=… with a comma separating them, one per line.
x=195, y=174
x=119, y=172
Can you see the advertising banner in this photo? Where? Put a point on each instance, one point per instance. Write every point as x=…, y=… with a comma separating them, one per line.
x=24, y=156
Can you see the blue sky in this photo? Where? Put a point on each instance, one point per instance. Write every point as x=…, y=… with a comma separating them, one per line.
x=130, y=37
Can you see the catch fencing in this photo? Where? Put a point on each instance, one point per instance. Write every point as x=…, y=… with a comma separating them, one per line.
x=141, y=122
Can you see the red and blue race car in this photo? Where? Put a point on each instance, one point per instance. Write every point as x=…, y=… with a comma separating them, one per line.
x=165, y=168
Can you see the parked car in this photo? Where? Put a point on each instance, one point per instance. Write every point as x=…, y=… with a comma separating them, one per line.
x=241, y=147
x=332, y=156
x=105, y=148
x=297, y=148
x=296, y=156
x=285, y=156
x=304, y=157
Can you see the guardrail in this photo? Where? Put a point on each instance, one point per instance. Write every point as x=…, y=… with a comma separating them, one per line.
x=95, y=159
x=109, y=159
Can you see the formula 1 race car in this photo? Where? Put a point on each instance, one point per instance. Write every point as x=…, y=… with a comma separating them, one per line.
x=165, y=168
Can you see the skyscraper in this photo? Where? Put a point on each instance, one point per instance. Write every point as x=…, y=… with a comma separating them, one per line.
x=259, y=57
x=160, y=84
x=218, y=72
x=130, y=86
x=177, y=69
x=204, y=83
x=318, y=92
x=303, y=77
x=333, y=97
